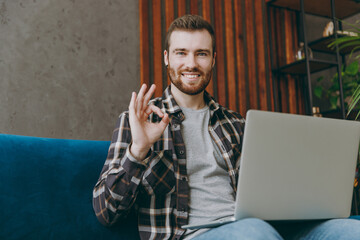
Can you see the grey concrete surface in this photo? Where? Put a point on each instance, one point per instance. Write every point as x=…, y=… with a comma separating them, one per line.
x=67, y=68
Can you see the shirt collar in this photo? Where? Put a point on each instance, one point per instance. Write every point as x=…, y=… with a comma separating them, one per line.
x=210, y=101
x=171, y=107
x=169, y=104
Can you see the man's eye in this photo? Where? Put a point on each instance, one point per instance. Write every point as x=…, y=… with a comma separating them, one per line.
x=180, y=53
x=202, y=54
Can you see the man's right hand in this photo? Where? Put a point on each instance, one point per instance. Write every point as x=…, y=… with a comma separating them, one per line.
x=144, y=133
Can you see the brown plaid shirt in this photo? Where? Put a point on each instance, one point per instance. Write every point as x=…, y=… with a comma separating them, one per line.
x=158, y=186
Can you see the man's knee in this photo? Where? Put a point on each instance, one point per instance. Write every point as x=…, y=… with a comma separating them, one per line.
x=337, y=229
x=251, y=223
x=250, y=228
x=257, y=229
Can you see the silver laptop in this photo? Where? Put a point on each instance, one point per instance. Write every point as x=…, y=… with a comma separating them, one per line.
x=295, y=167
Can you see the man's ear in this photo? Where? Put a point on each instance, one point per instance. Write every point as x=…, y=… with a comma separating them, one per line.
x=213, y=63
x=166, y=58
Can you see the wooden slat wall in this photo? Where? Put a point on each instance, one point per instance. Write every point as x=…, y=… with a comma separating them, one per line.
x=285, y=44
x=242, y=77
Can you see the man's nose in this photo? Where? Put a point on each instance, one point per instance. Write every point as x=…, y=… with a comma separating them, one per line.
x=191, y=61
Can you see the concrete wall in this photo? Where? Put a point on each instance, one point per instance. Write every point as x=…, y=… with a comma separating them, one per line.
x=67, y=68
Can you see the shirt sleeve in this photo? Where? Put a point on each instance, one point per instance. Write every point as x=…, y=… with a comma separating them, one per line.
x=118, y=184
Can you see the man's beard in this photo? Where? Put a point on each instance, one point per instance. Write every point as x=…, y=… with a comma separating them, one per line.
x=190, y=90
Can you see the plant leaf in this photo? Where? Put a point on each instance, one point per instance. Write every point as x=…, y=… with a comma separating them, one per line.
x=319, y=79
x=352, y=69
x=343, y=40
x=333, y=101
x=318, y=90
x=354, y=99
x=349, y=42
x=357, y=115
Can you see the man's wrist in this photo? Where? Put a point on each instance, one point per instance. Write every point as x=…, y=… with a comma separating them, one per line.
x=138, y=153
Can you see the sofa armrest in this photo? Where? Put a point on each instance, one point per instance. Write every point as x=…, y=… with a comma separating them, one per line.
x=46, y=190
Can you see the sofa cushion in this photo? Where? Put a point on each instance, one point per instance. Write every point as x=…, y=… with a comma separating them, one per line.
x=46, y=190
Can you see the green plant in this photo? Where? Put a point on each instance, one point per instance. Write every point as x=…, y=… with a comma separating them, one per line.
x=353, y=42
x=351, y=82
x=355, y=100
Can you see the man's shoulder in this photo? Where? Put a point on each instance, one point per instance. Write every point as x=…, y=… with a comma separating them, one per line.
x=232, y=115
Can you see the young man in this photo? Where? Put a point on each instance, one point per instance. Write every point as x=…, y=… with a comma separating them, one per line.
x=177, y=157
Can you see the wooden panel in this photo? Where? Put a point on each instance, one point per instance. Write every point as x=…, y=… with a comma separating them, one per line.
x=250, y=46
x=290, y=58
x=242, y=90
x=290, y=95
x=169, y=13
x=220, y=65
x=279, y=38
x=144, y=41
x=300, y=97
x=242, y=76
x=169, y=17
x=206, y=13
x=230, y=58
x=194, y=6
x=299, y=87
x=157, y=48
x=181, y=7
x=261, y=55
x=206, y=10
x=273, y=81
x=281, y=59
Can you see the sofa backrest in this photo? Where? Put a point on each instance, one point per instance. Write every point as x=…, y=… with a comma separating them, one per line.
x=46, y=189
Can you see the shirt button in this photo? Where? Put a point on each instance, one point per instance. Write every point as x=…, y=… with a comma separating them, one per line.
x=181, y=152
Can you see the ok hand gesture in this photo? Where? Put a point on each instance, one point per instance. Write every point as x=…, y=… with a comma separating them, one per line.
x=144, y=133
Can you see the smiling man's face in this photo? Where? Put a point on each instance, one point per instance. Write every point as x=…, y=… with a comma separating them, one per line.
x=190, y=60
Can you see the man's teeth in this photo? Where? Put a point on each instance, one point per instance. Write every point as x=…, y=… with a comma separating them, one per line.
x=191, y=76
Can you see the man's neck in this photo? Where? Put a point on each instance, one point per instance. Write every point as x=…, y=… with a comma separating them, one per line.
x=188, y=101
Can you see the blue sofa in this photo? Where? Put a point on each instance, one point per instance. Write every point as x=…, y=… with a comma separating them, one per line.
x=46, y=190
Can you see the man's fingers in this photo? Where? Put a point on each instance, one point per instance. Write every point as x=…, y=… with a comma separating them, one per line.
x=165, y=117
x=155, y=109
x=132, y=103
x=139, y=99
x=148, y=96
x=165, y=120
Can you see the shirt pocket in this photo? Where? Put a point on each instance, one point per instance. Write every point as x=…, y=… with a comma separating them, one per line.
x=159, y=177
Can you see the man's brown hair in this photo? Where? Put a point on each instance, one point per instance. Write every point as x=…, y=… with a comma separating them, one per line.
x=190, y=23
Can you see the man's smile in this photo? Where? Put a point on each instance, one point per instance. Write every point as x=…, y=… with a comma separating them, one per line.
x=190, y=76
